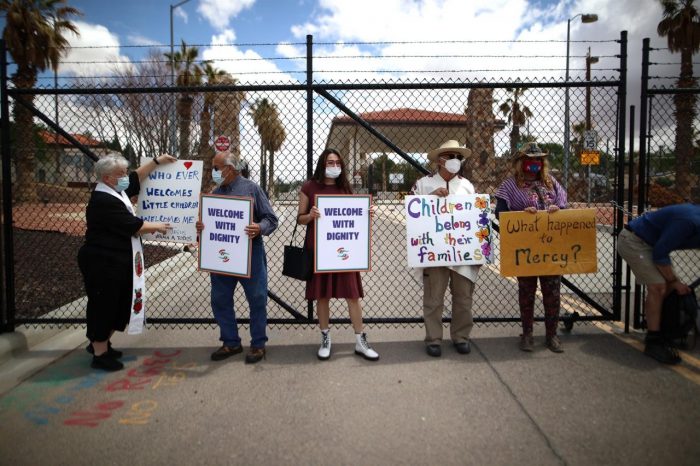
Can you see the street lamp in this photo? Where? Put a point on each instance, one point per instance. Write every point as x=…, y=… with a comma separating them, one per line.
x=173, y=135
x=589, y=61
x=585, y=18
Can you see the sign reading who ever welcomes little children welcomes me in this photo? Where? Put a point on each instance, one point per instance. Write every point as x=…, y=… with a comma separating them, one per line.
x=224, y=246
x=448, y=231
x=343, y=236
x=170, y=194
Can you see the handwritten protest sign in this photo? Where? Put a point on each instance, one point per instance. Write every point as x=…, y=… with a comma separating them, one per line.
x=170, y=194
x=343, y=238
x=448, y=231
x=548, y=244
x=224, y=247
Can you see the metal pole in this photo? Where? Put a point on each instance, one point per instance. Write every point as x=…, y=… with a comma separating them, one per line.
x=566, y=108
x=173, y=111
x=630, y=188
x=620, y=130
x=309, y=130
x=173, y=133
x=7, y=321
x=588, y=118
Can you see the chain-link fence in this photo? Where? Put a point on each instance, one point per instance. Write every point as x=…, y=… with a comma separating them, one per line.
x=382, y=128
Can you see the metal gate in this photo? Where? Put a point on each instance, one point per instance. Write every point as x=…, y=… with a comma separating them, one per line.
x=668, y=166
x=383, y=129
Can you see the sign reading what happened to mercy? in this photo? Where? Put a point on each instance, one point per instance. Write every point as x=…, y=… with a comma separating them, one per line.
x=343, y=235
x=224, y=246
x=170, y=194
x=560, y=243
x=448, y=231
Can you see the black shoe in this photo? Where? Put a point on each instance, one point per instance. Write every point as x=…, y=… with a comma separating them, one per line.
x=255, y=355
x=106, y=363
x=116, y=354
x=433, y=350
x=662, y=352
x=463, y=347
x=225, y=352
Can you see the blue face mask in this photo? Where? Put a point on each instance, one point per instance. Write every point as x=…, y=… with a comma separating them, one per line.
x=122, y=184
x=217, y=176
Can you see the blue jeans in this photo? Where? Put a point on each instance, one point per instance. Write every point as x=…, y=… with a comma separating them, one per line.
x=255, y=288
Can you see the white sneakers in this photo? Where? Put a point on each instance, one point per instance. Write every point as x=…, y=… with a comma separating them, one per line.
x=324, y=351
x=362, y=348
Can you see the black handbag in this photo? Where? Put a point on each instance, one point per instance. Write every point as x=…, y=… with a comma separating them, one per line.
x=298, y=261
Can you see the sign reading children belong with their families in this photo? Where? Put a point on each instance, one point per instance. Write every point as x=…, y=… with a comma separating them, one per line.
x=560, y=243
x=448, y=231
x=170, y=194
x=224, y=246
x=343, y=239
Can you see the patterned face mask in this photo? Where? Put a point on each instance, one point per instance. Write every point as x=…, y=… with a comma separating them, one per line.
x=532, y=166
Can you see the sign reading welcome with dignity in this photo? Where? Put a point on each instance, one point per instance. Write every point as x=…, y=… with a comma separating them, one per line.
x=448, y=231
x=343, y=240
x=224, y=246
x=548, y=244
x=170, y=193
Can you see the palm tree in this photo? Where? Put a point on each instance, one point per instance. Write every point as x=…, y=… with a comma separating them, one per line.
x=272, y=135
x=681, y=26
x=205, y=151
x=516, y=113
x=34, y=34
x=189, y=73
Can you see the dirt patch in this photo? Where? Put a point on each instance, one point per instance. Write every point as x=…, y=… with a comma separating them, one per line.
x=47, y=274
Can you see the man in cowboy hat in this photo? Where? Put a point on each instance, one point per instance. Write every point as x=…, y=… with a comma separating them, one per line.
x=449, y=158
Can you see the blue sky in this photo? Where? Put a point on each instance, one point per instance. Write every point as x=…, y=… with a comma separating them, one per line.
x=340, y=24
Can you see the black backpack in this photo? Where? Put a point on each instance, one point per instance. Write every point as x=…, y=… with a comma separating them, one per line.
x=679, y=318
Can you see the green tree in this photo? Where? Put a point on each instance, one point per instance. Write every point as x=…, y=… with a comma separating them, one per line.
x=272, y=135
x=681, y=27
x=34, y=36
x=189, y=73
x=205, y=152
x=516, y=114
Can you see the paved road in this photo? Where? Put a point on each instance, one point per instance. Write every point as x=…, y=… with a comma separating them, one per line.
x=600, y=402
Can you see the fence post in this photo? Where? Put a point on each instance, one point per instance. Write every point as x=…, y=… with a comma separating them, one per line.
x=622, y=105
x=641, y=183
x=7, y=311
x=309, y=130
x=630, y=200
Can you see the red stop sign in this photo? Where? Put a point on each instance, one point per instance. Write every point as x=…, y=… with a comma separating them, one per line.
x=222, y=143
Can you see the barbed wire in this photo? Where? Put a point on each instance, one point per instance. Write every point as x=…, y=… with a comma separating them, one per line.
x=269, y=44
x=167, y=76
x=324, y=57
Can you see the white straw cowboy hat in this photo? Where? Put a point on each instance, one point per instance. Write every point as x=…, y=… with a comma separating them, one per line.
x=450, y=147
x=529, y=150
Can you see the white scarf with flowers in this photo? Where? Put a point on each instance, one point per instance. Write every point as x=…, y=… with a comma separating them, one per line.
x=138, y=288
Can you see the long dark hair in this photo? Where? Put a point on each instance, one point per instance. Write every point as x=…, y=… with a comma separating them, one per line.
x=320, y=173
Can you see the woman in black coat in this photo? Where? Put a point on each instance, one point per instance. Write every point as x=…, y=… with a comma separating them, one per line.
x=107, y=258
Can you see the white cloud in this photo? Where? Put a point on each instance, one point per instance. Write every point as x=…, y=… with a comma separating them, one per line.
x=220, y=12
x=182, y=14
x=95, y=52
x=138, y=39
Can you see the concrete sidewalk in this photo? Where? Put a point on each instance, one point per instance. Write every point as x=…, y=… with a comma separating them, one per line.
x=600, y=402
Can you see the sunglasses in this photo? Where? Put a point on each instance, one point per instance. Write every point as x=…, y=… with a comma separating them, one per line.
x=452, y=156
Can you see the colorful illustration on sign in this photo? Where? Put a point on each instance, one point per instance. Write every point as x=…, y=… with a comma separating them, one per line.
x=224, y=255
x=343, y=253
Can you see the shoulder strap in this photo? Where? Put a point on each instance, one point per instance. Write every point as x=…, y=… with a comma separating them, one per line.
x=294, y=233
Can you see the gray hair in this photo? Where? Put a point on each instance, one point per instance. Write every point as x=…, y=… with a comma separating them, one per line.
x=108, y=163
x=233, y=160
